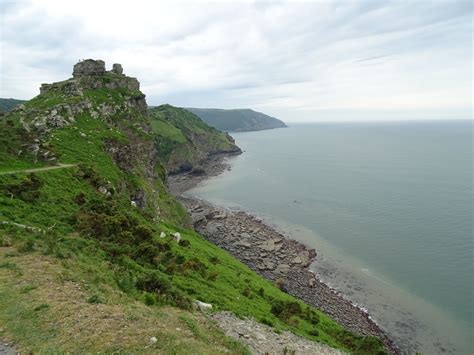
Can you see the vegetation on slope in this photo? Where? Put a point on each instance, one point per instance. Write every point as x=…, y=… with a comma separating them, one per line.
x=7, y=104
x=237, y=120
x=102, y=234
x=184, y=141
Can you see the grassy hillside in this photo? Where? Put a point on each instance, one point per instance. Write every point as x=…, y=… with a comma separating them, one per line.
x=183, y=140
x=88, y=261
x=7, y=104
x=237, y=120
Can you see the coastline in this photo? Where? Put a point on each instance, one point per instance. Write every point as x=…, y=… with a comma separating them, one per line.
x=271, y=254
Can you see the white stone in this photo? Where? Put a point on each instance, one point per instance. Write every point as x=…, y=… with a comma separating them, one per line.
x=162, y=234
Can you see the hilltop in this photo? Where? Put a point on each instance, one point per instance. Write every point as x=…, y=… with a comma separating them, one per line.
x=237, y=119
x=96, y=255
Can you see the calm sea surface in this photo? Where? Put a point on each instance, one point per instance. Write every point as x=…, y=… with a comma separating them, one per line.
x=388, y=207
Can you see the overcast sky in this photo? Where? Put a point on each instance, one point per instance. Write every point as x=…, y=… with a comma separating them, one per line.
x=298, y=61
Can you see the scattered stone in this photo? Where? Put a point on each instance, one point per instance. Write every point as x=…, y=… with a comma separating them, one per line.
x=261, y=339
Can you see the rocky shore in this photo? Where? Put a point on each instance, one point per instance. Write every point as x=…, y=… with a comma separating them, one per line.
x=271, y=254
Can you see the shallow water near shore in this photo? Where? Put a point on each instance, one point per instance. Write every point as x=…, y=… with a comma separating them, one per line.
x=387, y=206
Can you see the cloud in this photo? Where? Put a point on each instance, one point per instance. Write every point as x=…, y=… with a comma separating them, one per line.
x=293, y=60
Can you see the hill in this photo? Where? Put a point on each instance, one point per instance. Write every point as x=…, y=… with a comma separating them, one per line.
x=237, y=120
x=184, y=141
x=7, y=104
x=95, y=253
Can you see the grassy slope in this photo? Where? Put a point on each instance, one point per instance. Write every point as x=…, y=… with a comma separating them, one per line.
x=184, y=140
x=236, y=120
x=114, y=254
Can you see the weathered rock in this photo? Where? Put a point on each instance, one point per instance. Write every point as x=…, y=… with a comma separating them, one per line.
x=89, y=67
x=117, y=68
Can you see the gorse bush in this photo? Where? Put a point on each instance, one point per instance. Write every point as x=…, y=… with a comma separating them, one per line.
x=286, y=309
x=27, y=189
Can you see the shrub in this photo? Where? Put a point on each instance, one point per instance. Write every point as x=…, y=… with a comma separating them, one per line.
x=284, y=310
x=94, y=299
x=370, y=345
x=27, y=189
x=154, y=282
x=247, y=292
x=184, y=243
x=150, y=299
x=311, y=316
x=314, y=332
x=27, y=246
x=214, y=260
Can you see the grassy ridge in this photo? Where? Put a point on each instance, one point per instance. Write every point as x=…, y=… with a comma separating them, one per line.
x=107, y=225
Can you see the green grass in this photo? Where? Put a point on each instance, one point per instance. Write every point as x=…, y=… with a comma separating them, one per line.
x=113, y=249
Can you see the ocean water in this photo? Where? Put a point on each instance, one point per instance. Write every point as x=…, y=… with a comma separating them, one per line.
x=387, y=206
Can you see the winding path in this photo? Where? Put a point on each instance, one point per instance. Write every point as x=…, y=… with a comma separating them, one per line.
x=35, y=170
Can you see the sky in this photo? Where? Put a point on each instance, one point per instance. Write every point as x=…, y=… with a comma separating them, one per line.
x=295, y=60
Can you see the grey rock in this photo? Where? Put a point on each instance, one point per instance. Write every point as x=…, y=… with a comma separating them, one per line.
x=117, y=68
x=89, y=67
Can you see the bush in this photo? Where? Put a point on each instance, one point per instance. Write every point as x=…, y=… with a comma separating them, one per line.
x=27, y=246
x=370, y=345
x=94, y=299
x=150, y=299
x=311, y=316
x=284, y=310
x=27, y=190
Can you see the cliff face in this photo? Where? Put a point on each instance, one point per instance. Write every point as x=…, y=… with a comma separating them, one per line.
x=184, y=141
x=237, y=120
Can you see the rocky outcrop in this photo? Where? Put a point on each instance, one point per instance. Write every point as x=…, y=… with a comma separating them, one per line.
x=117, y=69
x=89, y=67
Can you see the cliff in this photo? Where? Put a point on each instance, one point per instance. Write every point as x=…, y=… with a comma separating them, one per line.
x=95, y=253
x=184, y=141
x=237, y=120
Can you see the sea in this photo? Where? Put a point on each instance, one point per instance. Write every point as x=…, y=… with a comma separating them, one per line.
x=388, y=206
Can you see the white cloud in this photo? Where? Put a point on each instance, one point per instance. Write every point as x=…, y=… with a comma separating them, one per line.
x=291, y=59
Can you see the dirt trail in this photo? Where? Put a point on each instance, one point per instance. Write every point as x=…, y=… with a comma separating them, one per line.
x=35, y=170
